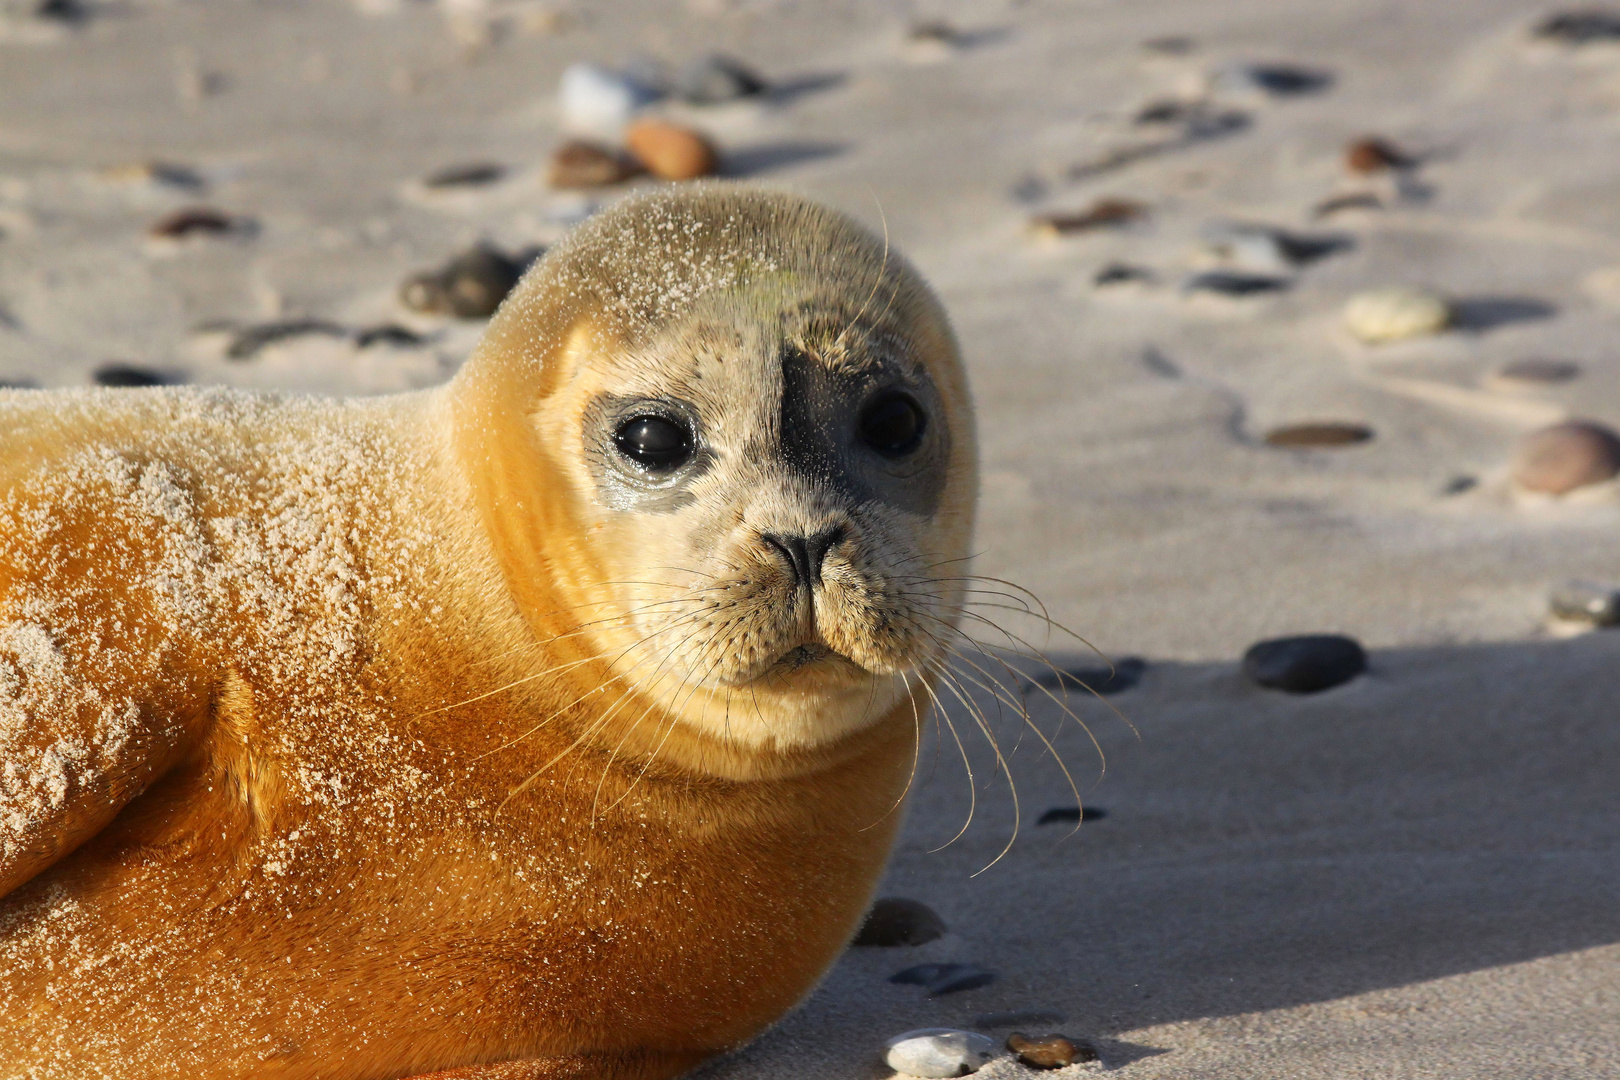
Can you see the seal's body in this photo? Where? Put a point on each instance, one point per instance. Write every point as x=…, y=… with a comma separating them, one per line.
x=548, y=724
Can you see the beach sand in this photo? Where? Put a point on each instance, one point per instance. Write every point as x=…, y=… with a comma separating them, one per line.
x=1411, y=875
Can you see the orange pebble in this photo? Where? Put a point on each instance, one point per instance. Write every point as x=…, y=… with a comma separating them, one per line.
x=669, y=151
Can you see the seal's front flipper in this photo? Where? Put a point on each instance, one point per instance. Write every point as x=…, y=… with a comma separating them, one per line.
x=80, y=738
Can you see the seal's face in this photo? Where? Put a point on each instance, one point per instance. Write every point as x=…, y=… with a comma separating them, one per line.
x=723, y=445
x=773, y=503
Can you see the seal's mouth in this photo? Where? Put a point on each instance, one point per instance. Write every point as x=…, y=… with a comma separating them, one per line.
x=812, y=657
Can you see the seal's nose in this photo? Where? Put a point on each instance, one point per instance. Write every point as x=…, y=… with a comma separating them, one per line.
x=804, y=554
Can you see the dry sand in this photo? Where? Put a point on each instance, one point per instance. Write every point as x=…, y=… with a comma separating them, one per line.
x=1415, y=874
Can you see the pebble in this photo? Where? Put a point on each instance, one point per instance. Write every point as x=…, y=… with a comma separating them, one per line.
x=669, y=151
x=580, y=163
x=1357, y=200
x=1587, y=602
x=596, y=101
x=895, y=920
x=1318, y=434
x=1566, y=456
x=938, y=1052
x=155, y=172
x=1071, y=815
x=195, y=219
x=1580, y=27
x=120, y=374
x=1099, y=680
x=715, y=79
x=1305, y=664
x=475, y=174
x=387, y=334
x=1049, y=1051
x=245, y=345
x=1371, y=154
x=1120, y=273
x=1273, y=80
x=470, y=286
x=1103, y=213
x=1395, y=313
x=941, y=979
x=1264, y=249
x=1532, y=373
x=1233, y=283
x=1170, y=45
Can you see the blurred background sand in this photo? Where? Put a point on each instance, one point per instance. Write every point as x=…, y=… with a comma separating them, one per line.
x=1414, y=874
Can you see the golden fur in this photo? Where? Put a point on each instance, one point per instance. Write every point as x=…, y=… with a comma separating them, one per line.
x=369, y=739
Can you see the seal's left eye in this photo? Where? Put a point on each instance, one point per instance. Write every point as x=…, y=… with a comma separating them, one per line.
x=892, y=424
x=654, y=442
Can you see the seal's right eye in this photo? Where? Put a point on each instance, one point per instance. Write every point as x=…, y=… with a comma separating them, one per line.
x=654, y=442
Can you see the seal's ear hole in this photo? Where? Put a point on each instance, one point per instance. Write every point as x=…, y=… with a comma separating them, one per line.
x=893, y=424
x=654, y=442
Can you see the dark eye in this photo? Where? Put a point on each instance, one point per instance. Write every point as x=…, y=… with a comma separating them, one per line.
x=654, y=442
x=892, y=424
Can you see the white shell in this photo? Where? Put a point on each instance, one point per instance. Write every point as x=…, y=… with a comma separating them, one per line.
x=595, y=101
x=1395, y=313
x=938, y=1052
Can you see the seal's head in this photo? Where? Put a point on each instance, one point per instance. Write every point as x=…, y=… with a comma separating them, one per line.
x=724, y=446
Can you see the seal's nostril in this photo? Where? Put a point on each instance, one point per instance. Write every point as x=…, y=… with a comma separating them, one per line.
x=804, y=554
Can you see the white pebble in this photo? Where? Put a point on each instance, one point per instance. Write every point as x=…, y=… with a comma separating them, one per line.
x=595, y=101
x=938, y=1052
x=1395, y=313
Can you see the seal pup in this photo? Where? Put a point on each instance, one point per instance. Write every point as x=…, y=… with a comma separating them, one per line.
x=552, y=723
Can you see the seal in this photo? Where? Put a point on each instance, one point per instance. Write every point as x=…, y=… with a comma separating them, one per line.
x=552, y=723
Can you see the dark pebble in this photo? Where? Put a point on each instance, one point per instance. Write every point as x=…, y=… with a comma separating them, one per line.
x=1049, y=1051
x=1166, y=111
x=940, y=979
x=1374, y=155
x=1537, y=371
x=580, y=163
x=1104, y=213
x=1071, y=815
x=387, y=334
x=1315, y=435
x=1119, y=273
x=895, y=920
x=934, y=32
x=1234, y=283
x=18, y=384
x=711, y=80
x=1457, y=485
x=1170, y=45
x=1360, y=200
x=474, y=175
x=248, y=342
x=470, y=286
x=196, y=219
x=68, y=11
x=1585, y=601
x=116, y=374
x=1580, y=27
x=1100, y=680
x=1283, y=80
x=1305, y=664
